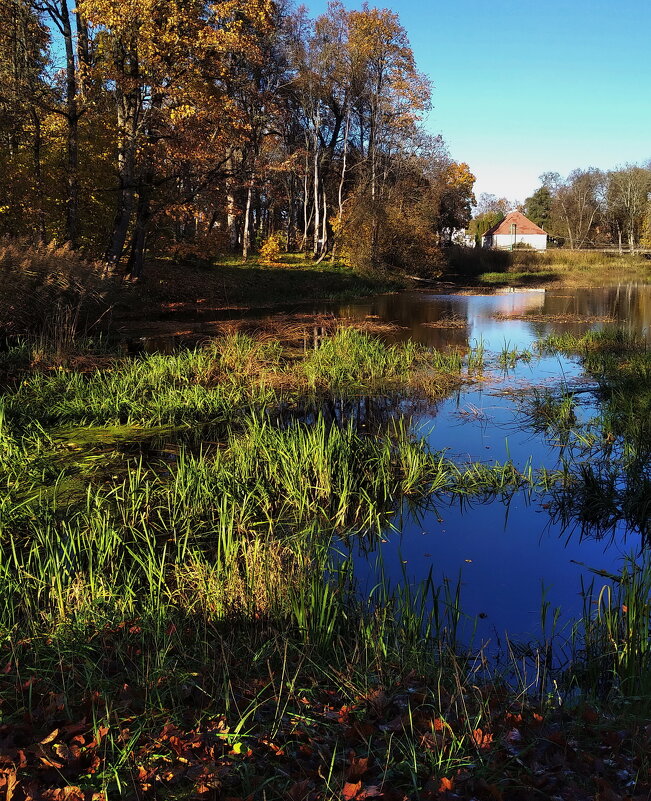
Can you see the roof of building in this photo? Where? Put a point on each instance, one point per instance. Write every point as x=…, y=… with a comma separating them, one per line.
x=523, y=225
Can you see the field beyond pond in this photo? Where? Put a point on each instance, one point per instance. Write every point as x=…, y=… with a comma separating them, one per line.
x=395, y=551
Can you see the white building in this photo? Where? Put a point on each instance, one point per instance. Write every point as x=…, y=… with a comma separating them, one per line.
x=515, y=228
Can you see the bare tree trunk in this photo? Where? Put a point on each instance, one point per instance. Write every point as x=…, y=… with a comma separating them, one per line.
x=324, y=237
x=38, y=175
x=60, y=15
x=83, y=54
x=317, y=221
x=246, y=243
x=128, y=105
x=306, y=193
x=136, y=262
x=231, y=219
x=342, y=177
x=231, y=205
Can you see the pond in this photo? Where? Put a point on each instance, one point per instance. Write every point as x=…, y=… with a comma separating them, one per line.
x=510, y=554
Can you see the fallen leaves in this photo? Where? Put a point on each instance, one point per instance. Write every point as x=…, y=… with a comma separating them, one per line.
x=326, y=744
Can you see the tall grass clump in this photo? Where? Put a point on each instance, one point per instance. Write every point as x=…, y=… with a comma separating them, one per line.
x=605, y=340
x=352, y=357
x=225, y=378
x=47, y=290
x=200, y=384
x=615, y=634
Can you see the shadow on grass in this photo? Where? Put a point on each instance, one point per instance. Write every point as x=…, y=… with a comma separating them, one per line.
x=228, y=283
x=283, y=283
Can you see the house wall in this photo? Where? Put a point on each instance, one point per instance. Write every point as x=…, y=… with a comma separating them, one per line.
x=537, y=241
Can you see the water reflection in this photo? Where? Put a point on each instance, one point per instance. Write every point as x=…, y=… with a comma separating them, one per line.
x=515, y=551
x=424, y=316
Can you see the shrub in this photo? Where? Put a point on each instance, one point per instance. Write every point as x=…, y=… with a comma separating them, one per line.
x=272, y=247
x=40, y=286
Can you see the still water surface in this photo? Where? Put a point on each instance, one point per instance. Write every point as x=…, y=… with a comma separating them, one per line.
x=509, y=554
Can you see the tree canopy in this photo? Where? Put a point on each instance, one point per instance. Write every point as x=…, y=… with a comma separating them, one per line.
x=188, y=127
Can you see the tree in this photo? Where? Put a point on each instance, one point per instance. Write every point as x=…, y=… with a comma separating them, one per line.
x=491, y=204
x=189, y=126
x=59, y=14
x=627, y=200
x=577, y=202
x=457, y=199
x=538, y=207
x=24, y=42
x=484, y=222
x=167, y=62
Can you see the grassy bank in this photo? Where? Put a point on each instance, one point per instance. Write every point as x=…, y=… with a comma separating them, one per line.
x=553, y=267
x=56, y=292
x=179, y=616
x=227, y=282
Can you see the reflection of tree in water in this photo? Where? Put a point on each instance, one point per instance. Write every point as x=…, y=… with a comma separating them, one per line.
x=414, y=313
x=600, y=500
x=629, y=304
x=369, y=413
x=607, y=489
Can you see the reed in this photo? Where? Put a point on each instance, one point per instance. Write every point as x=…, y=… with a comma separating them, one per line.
x=209, y=587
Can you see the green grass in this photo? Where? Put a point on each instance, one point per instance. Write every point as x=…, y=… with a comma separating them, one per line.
x=517, y=278
x=528, y=267
x=175, y=579
x=226, y=378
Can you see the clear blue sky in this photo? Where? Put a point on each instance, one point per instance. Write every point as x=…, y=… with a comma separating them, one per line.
x=523, y=87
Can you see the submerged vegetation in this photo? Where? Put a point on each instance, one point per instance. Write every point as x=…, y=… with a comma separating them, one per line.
x=180, y=614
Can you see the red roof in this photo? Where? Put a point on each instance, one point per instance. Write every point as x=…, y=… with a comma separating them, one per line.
x=523, y=225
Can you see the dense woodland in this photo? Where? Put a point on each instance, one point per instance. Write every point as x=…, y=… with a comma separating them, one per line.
x=588, y=208
x=195, y=129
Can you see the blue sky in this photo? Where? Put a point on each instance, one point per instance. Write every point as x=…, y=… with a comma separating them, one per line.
x=521, y=88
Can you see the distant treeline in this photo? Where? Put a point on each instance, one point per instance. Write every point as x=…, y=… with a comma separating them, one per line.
x=197, y=128
x=589, y=208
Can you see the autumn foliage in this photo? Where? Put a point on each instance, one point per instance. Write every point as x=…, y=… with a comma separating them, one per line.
x=196, y=128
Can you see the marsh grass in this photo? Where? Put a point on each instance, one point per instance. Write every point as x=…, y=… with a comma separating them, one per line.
x=211, y=587
x=226, y=377
x=210, y=597
x=569, y=267
x=614, y=633
x=605, y=485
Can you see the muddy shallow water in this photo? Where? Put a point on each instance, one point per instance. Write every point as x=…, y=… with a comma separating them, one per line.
x=509, y=554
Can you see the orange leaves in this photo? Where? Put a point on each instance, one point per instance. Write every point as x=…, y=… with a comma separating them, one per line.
x=8, y=782
x=458, y=175
x=482, y=739
x=351, y=790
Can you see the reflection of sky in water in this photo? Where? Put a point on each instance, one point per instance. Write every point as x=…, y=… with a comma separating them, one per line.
x=505, y=553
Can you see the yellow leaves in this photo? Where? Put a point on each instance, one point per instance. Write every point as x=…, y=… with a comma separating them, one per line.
x=181, y=112
x=459, y=175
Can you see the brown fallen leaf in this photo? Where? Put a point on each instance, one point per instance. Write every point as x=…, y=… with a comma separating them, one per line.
x=10, y=786
x=357, y=768
x=51, y=736
x=482, y=739
x=69, y=793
